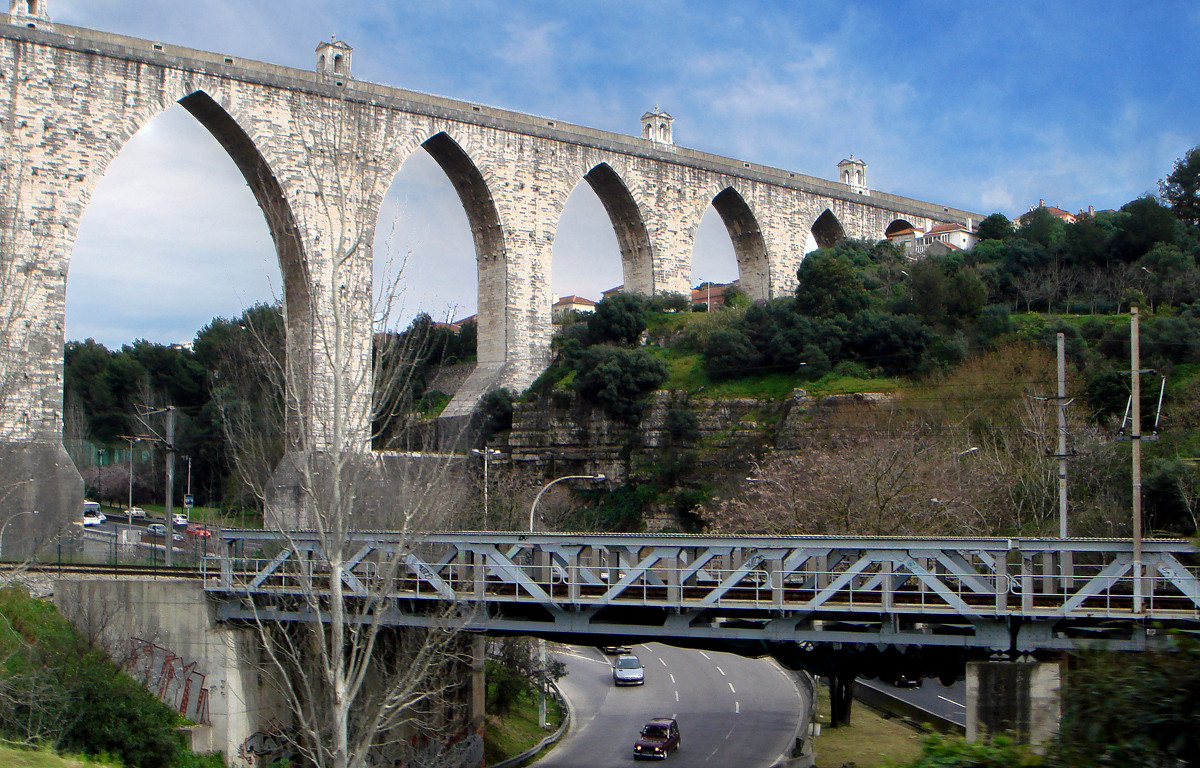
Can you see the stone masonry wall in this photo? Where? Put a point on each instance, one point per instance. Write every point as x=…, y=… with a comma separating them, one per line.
x=71, y=98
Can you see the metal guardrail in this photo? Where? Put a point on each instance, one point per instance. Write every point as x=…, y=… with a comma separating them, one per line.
x=998, y=593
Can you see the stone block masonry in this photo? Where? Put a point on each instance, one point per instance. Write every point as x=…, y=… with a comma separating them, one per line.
x=319, y=150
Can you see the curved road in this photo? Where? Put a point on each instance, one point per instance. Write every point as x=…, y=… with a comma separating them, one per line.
x=731, y=710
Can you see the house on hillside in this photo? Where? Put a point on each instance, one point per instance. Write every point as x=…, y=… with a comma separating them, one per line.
x=939, y=239
x=709, y=296
x=571, y=304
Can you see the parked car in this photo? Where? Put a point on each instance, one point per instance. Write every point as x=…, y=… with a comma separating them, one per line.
x=179, y=518
x=615, y=650
x=658, y=738
x=628, y=671
x=195, y=529
x=135, y=512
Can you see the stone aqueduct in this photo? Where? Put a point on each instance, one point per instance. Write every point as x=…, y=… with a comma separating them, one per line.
x=319, y=151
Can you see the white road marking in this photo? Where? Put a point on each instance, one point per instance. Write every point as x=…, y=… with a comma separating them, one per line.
x=737, y=707
x=676, y=695
x=663, y=662
x=721, y=671
x=672, y=678
x=732, y=688
x=952, y=701
x=705, y=655
x=605, y=662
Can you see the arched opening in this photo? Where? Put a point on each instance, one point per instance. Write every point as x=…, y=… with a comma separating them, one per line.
x=337, y=63
x=321, y=63
x=749, y=248
x=587, y=259
x=31, y=7
x=714, y=264
x=174, y=235
x=489, y=277
x=897, y=226
x=827, y=230
x=633, y=241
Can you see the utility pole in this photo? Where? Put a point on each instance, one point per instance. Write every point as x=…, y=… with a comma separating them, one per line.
x=1067, y=564
x=170, y=446
x=1135, y=406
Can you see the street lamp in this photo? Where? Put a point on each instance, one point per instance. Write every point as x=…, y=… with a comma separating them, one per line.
x=546, y=487
x=9, y=520
x=486, y=453
x=541, y=640
x=129, y=508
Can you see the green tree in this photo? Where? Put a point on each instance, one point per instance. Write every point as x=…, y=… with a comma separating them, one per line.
x=618, y=379
x=829, y=285
x=619, y=319
x=1042, y=227
x=1181, y=190
x=1125, y=709
x=995, y=227
x=1144, y=223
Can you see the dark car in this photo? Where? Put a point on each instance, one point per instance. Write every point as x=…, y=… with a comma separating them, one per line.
x=659, y=738
x=616, y=650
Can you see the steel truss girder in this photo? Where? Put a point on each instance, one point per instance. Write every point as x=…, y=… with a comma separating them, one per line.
x=1018, y=594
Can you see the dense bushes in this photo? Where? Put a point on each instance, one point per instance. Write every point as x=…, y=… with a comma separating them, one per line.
x=58, y=691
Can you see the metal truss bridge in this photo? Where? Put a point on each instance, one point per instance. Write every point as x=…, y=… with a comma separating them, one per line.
x=988, y=594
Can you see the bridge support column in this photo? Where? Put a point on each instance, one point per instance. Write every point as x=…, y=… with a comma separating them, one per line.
x=1023, y=699
x=41, y=494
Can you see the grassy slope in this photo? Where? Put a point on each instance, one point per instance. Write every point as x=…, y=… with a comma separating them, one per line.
x=870, y=741
x=10, y=757
x=518, y=730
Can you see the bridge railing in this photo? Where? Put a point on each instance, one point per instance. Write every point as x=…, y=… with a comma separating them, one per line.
x=799, y=576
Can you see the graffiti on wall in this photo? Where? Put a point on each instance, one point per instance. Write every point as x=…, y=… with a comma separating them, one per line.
x=174, y=680
x=266, y=746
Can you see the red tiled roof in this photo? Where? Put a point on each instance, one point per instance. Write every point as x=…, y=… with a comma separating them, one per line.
x=938, y=229
x=574, y=300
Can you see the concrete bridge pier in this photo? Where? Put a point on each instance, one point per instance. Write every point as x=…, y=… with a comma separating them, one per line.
x=1020, y=698
x=41, y=494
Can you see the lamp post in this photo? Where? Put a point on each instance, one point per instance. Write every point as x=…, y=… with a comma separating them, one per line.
x=541, y=640
x=129, y=507
x=9, y=520
x=486, y=453
x=100, y=475
x=546, y=487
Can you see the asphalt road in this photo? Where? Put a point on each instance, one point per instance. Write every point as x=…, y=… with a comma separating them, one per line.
x=931, y=696
x=732, y=711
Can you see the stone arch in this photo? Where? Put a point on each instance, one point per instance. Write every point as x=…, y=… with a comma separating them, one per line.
x=827, y=230
x=749, y=247
x=281, y=222
x=633, y=239
x=899, y=225
x=484, y=218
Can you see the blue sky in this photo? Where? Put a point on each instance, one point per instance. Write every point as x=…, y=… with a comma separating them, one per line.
x=983, y=106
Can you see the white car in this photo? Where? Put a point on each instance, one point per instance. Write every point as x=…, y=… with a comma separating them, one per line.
x=135, y=512
x=179, y=519
x=628, y=671
x=94, y=519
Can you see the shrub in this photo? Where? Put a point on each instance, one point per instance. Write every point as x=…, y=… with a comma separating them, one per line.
x=618, y=379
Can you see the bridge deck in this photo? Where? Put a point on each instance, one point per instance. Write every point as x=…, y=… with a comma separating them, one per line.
x=1003, y=594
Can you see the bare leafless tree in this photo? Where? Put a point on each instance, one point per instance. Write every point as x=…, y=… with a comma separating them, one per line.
x=967, y=455
x=359, y=691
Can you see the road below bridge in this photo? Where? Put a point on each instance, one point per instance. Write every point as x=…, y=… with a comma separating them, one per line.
x=731, y=710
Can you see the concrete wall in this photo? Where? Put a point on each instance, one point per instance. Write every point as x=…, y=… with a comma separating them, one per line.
x=164, y=632
x=1023, y=699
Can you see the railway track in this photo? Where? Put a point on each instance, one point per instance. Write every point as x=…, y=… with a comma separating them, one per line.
x=103, y=569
